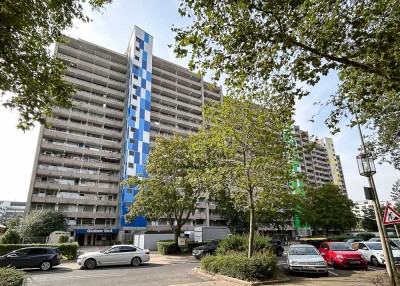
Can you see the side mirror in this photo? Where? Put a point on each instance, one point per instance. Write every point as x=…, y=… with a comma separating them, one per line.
x=364, y=248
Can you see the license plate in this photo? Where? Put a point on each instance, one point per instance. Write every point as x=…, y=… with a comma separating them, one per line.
x=354, y=262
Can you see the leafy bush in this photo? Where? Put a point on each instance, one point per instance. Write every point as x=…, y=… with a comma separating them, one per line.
x=11, y=237
x=258, y=267
x=366, y=235
x=10, y=276
x=192, y=244
x=241, y=243
x=63, y=238
x=67, y=249
x=166, y=247
x=339, y=237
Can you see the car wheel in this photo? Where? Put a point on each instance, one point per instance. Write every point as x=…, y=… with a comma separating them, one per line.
x=279, y=252
x=45, y=265
x=374, y=261
x=90, y=264
x=136, y=261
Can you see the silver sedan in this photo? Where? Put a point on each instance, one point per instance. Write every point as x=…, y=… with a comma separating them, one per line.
x=116, y=255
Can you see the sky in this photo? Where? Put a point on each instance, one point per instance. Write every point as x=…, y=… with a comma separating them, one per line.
x=112, y=28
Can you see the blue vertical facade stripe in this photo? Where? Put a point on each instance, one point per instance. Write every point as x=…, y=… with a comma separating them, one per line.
x=137, y=128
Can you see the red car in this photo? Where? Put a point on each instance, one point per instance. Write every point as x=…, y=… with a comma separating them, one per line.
x=342, y=254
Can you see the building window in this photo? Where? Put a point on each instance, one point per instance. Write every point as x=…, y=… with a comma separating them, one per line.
x=136, y=58
x=130, y=165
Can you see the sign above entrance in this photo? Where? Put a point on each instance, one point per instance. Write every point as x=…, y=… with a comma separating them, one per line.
x=97, y=230
x=391, y=216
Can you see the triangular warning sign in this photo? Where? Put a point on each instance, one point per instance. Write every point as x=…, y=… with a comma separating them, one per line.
x=391, y=216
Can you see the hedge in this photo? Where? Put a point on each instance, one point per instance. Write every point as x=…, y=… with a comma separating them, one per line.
x=240, y=243
x=67, y=249
x=10, y=276
x=237, y=265
x=166, y=247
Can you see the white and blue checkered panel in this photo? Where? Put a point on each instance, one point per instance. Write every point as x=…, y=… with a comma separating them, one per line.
x=137, y=129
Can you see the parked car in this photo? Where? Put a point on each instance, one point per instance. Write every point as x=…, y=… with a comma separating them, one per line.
x=32, y=257
x=208, y=249
x=342, y=254
x=278, y=247
x=373, y=252
x=374, y=239
x=354, y=239
x=314, y=241
x=306, y=258
x=116, y=255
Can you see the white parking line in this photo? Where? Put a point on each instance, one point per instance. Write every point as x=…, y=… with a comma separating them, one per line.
x=333, y=273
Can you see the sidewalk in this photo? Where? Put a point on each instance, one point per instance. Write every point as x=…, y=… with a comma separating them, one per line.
x=155, y=257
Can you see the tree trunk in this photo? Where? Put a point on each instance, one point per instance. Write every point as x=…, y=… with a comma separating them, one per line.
x=252, y=222
x=177, y=232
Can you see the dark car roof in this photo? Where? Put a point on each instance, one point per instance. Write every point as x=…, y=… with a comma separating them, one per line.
x=31, y=247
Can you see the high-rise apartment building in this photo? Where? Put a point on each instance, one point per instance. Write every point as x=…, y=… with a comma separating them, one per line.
x=122, y=103
x=321, y=165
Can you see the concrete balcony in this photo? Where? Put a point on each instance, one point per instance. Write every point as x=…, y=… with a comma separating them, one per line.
x=81, y=64
x=109, y=101
x=83, y=151
x=86, y=189
x=85, y=85
x=100, y=109
x=74, y=175
x=157, y=107
x=194, y=82
x=80, y=139
x=91, y=226
x=79, y=52
x=90, y=215
x=184, y=93
x=173, y=120
x=174, y=105
x=60, y=200
x=91, y=77
x=77, y=161
x=169, y=129
x=84, y=128
x=85, y=116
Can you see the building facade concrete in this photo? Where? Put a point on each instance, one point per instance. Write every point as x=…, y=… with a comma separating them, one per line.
x=122, y=103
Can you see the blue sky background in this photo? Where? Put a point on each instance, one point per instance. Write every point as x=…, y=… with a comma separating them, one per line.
x=112, y=29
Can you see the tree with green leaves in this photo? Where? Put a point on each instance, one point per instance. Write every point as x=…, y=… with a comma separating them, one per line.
x=395, y=193
x=326, y=208
x=11, y=237
x=30, y=77
x=173, y=187
x=273, y=45
x=249, y=155
x=41, y=223
x=368, y=221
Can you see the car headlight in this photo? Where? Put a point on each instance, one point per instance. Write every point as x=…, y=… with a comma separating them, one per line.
x=293, y=262
x=381, y=254
x=363, y=257
x=321, y=262
x=340, y=256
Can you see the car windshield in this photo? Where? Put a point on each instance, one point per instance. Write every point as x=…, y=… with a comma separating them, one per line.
x=342, y=247
x=303, y=251
x=374, y=246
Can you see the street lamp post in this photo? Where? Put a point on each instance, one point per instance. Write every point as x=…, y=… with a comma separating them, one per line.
x=367, y=169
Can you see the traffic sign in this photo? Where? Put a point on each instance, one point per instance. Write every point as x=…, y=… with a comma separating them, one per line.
x=391, y=216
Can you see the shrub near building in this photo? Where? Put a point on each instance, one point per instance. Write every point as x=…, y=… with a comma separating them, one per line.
x=231, y=259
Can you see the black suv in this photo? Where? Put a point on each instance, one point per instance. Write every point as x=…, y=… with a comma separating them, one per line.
x=208, y=249
x=32, y=257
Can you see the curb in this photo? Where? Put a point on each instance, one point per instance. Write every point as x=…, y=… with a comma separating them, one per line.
x=282, y=279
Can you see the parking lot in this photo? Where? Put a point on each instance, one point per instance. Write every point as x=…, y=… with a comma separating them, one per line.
x=353, y=277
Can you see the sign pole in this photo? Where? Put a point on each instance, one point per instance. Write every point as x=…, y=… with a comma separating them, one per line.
x=397, y=232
